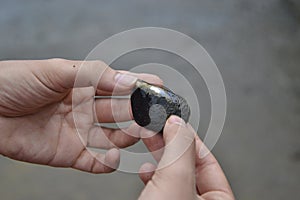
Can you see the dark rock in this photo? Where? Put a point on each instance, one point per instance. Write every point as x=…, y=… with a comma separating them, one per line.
x=153, y=105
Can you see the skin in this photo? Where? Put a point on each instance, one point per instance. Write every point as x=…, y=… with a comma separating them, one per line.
x=37, y=117
x=195, y=174
x=45, y=104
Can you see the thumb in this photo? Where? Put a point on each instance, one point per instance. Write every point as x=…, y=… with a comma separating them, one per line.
x=179, y=152
x=177, y=166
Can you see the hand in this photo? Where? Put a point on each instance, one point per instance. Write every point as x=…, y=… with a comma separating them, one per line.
x=39, y=105
x=191, y=176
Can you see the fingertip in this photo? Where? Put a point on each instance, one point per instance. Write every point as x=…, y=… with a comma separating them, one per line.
x=150, y=78
x=146, y=172
x=172, y=126
x=156, y=80
x=147, y=167
x=174, y=119
x=112, y=158
x=125, y=79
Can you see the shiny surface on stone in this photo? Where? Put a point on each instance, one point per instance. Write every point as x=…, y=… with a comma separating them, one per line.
x=152, y=105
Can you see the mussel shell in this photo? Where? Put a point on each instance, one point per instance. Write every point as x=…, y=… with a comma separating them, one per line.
x=153, y=105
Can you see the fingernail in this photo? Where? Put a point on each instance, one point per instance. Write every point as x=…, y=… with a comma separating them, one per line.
x=125, y=79
x=174, y=119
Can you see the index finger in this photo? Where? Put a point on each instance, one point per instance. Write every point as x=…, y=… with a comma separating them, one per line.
x=117, y=90
x=209, y=174
x=154, y=143
x=70, y=74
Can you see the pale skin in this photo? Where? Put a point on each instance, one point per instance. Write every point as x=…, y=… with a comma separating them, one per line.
x=45, y=104
x=193, y=175
x=37, y=118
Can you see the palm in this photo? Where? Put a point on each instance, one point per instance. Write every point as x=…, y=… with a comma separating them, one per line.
x=47, y=121
x=51, y=134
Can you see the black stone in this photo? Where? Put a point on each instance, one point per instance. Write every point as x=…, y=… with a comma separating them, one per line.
x=152, y=106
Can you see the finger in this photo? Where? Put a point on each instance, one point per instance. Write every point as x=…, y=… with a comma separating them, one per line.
x=97, y=163
x=179, y=147
x=154, y=143
x=177, y=166
x=91, y=73
x=113, y=110
x=106, y=138
x=76, y=73
x=209, y=174
x=64, y=74
x=150, y=78
x=146, y=172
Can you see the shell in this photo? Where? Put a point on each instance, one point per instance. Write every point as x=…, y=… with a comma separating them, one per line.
x=153, y=105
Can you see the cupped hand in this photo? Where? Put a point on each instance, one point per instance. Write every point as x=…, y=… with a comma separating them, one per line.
x=45, y=105
x=182, y=172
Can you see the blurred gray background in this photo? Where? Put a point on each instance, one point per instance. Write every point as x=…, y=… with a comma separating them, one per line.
x=255, y=44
